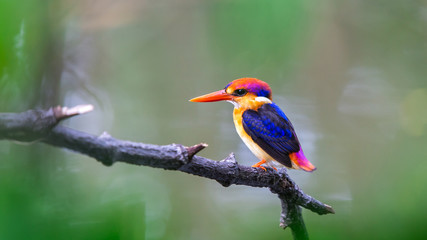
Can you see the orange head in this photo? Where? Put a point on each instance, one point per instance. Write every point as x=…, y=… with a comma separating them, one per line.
x=242, y=92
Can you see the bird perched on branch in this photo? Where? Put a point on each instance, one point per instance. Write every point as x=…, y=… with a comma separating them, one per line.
x=261, y=124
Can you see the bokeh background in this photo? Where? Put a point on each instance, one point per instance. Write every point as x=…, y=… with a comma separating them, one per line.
x=351, y=75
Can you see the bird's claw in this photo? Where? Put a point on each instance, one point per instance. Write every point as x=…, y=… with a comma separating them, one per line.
x=258, y=165
x=262, y=167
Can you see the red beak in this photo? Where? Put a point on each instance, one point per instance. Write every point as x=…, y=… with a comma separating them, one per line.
x=220, y=95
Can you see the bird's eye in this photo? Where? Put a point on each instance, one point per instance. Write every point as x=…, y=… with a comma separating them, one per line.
x=240, y=92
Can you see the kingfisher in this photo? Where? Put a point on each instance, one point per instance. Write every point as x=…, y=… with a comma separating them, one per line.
x=261, y=124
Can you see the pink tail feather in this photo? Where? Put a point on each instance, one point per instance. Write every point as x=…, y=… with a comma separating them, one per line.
x=299, y=160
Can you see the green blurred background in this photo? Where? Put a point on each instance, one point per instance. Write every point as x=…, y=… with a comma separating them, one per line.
x=351, y=75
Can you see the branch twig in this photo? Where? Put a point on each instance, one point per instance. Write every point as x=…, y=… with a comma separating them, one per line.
x=41, y=125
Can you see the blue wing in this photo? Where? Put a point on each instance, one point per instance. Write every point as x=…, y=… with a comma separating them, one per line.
x=272, y=131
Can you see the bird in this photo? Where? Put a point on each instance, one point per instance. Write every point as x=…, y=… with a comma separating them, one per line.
x=261, y=124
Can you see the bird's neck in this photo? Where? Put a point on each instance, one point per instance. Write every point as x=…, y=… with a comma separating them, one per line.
x=254, y=103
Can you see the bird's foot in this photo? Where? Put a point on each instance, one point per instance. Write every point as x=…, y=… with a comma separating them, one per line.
x=258, y=165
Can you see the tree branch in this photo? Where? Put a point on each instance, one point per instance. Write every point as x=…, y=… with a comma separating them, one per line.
x=41, y=125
